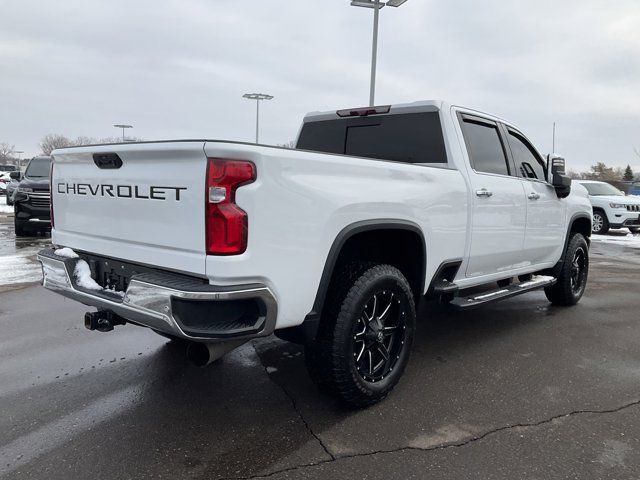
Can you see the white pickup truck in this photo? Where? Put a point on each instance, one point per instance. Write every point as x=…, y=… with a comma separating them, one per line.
x=330, y=244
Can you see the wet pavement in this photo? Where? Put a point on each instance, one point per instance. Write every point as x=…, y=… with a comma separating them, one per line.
x=518, y=389
x=18, y=263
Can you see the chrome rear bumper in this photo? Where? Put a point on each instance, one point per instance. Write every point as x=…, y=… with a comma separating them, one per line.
x=163, y=301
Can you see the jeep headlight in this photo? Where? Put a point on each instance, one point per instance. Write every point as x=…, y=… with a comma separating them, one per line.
x=617, y=205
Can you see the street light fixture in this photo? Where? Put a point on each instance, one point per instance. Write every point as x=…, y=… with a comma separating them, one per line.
x=19, y=152
x=376, y=5
x=123, y=127
x=257, y=97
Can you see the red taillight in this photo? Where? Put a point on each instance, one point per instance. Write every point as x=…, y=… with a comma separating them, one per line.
x=226, y=223
x=51, y=194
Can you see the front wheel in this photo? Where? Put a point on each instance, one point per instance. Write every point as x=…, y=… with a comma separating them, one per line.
x=363, y=343
x=634, y=230
x=600, y=224
x=572, y=280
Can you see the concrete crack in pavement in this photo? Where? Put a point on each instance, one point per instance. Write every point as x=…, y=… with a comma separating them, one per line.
x=295, y=408
x=443, y=446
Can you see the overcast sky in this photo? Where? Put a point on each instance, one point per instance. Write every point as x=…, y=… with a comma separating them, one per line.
x=178, y=69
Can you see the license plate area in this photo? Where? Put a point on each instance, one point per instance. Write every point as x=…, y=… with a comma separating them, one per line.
x=111, y=273
x=115, y=274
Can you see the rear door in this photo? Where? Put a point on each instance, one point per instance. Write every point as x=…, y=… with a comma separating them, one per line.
x=546, y=213
x=499, y=209
x=139, y=202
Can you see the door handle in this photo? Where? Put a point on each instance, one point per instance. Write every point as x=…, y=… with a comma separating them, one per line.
x=534, y=196
x=483, y=192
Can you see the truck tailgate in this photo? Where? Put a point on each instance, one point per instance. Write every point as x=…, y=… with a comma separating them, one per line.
x=150, y=209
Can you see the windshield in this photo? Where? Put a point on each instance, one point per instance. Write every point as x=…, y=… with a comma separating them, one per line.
x=602, y=189
x=38, y=168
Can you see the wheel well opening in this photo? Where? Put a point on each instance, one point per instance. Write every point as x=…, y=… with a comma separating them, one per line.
x=404, y=249
x=582, y=225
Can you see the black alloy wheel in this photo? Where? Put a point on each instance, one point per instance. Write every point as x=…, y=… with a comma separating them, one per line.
x=379, y=336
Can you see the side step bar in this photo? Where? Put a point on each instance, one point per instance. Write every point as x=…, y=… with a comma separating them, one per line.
x=475, y=300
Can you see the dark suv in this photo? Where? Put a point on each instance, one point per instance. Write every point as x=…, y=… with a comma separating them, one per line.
x=32, y=199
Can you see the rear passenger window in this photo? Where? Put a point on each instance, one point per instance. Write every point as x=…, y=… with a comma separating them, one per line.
x=528, y=163
x=485, y=147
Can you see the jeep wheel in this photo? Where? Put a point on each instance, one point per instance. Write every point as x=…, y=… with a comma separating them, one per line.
x=634, y=230
x=572, y=280
x=600, y=224
x=363, y=342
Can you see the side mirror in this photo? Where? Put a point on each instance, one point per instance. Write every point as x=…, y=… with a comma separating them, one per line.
x=559, y=179
x=15, y=175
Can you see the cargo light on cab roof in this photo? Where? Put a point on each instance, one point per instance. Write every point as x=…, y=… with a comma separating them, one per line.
x=364, y=111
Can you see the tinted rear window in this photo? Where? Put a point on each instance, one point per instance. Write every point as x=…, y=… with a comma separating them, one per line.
x=410, y=138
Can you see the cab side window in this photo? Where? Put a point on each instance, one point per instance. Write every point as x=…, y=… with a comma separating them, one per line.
x=528, y=162
x=484, y=146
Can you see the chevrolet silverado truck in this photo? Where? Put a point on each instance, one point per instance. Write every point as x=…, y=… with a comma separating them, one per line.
x=330, y=244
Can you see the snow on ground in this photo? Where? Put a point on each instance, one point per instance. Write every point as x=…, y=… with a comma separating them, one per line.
x=19, y=268
x=629, y=240
x=4, y=208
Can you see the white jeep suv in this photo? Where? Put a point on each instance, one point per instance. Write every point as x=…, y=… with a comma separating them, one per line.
x=611, y=208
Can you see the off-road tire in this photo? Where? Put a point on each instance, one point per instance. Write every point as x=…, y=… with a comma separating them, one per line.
x=330, y=358
x=571, y=285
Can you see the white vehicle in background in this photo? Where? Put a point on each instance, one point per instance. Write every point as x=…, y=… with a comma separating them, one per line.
x=611, y=207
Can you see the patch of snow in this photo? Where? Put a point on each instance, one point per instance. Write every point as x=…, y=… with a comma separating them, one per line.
x=4, y=208
x=19, y=268
x=82, y=273
x=66, y=252
x=271, y=369
x=629, y=240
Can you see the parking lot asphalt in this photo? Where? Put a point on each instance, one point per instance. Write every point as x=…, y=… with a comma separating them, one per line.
x=518, y=389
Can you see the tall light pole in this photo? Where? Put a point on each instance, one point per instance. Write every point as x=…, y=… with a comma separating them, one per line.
x=376, y=5
x=18, y=152
x=257, y=97
x=123, y=127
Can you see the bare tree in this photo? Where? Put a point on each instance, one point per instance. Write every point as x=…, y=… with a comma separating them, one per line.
x=601, y=172
x=52, y=141
x=291, y=144
x=6, y=151
x=82, y=140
